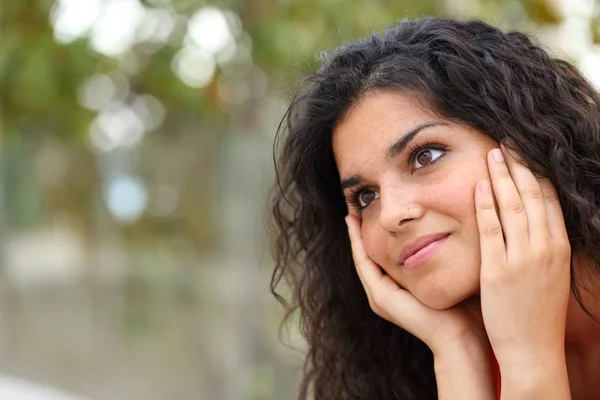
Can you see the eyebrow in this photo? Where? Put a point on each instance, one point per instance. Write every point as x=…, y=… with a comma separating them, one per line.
x=396, y=148
x=399, y=146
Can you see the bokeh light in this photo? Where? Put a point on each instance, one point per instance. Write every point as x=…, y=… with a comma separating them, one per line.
x=126, y=198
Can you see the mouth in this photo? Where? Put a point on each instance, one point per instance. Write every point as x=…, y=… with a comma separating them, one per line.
x=424, y=254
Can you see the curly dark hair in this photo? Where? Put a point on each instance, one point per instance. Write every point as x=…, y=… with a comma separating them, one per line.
x=503, y=84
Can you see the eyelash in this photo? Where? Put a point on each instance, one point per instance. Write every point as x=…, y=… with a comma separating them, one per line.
x=413, y=151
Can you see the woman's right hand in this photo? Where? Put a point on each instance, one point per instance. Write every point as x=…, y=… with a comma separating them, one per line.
x=436, y=328
x=456, y=336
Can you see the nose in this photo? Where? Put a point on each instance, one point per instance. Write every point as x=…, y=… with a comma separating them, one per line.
x=394, y=208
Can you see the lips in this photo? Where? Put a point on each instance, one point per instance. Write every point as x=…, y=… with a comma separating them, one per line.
x=418, y=244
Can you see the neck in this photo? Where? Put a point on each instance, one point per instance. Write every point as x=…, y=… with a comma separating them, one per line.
x=582, y=331
x=582, y=336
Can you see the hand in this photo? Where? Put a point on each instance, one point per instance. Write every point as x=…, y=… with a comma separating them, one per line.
x=525, y=267
x=456, y=336
x=438, y=329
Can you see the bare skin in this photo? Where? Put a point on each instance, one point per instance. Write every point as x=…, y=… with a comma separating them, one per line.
x=533, y=336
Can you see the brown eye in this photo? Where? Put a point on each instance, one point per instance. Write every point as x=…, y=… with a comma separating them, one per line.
x=427, y=156
x=365, y=197
x=424, y=157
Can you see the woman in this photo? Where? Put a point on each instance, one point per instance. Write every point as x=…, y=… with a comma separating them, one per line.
x=452, y=172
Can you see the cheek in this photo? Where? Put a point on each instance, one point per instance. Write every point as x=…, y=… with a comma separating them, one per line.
x=455, y=198
x=452, y=197
x=455, y=194
x=374, y=242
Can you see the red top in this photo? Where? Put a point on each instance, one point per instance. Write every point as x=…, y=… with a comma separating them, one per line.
x=496, y=369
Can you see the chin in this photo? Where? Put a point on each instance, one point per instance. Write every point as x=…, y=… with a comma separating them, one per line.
x=441, y=295
x=445, y=302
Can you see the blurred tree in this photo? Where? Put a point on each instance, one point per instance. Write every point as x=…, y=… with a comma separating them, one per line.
x=40, y=79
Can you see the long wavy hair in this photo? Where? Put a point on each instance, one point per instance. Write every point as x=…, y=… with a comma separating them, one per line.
x=504, y=85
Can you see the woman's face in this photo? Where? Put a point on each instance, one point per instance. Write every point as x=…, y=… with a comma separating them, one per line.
x=381, y=179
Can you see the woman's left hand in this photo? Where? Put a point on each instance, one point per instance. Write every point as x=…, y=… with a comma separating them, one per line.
x=525, y=273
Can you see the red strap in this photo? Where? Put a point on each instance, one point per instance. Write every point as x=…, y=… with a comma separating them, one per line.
x=496, y=370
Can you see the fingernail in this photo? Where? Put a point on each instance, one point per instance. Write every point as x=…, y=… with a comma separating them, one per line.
x=497, y=155
x=484, y=187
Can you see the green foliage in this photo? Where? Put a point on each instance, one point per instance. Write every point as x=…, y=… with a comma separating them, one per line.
x=287, y=37
x=39, y=78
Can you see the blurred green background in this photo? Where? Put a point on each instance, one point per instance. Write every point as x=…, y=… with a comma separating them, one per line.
x=136, y=155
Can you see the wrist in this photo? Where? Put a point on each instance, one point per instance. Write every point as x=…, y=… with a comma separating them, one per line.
x=533, y=365
x=467, y=343
x=463, y=370
x=536, y=378
x=468, y=349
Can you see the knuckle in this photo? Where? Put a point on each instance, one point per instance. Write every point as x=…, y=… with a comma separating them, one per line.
x=377, y=300
x=487, y=205
x=492, y=230
x=563, y=247
x=543, y=250
x=358, y=258
x=378, y=312
x=502, y=172
x=550, y=194
x=490, y=278
x=362, y=259
x=533, y=191
x=542, y=255
x=500, y=277
x=373, y=306
x=512, y=264
x=515, y=206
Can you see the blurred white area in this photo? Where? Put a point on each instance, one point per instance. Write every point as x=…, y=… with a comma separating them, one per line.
x=113, y=27
x=101, y=90
x=74, y=18
x=45, y=256
x=12, y=388
x=209, y=30
x=114, y=32
x=574, y=36
x=194, y=66
x=117, y=125
x=111, y=24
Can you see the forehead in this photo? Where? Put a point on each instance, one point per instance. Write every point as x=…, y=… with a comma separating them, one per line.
x=375, y=122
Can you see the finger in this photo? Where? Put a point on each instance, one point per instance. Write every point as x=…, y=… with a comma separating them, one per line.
x=532, y=197
x=386, y=297
x=359, y=255
x=511, y=209
x=378, y=286
x=491, y=241
x=554, y=215
x=555, y=220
